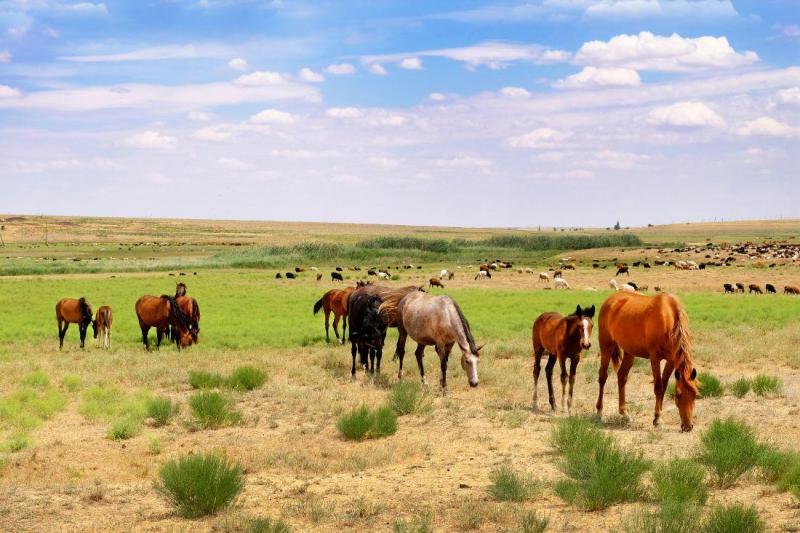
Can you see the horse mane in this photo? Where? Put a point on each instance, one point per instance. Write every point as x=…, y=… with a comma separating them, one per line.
x=465, y=324
x=178, y=316
x=390, y=299
x=86, y=311
x=681, y=339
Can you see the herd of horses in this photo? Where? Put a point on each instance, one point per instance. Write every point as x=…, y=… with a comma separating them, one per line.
x=630, y=325
x=175, y=317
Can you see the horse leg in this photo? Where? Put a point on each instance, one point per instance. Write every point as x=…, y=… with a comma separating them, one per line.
x=145, y=332
x=159, y=335
x=562, y=363
x=378, y=356
x=62, y=333
x=419, y=352
x=353, y=350
x=573, y=368
x=344, y=327
x=440, y=351
x=336, y=326
x=548, y=371
x=537, y=369
x=400, y=350
x=372, y=355
x=663, y=381
x=622, y=380
x=82, y=330
x=607, y=350
x=327, y=322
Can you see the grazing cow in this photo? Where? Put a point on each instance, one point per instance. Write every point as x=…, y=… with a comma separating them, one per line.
x=561, y=283
x=433, y=282
x=319, y=276
x=290, y=275
x=278, y=275
x=335, y=276
x=483, y=274
x=740, y=287
x=728, y=288
x=791, y=289
x=770, y=288
x=637, y=263
x=544, y=276
x=753, y=288
x=622, y=270
x=101, y=325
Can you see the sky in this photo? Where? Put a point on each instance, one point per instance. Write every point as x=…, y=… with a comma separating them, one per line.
x=471, y=113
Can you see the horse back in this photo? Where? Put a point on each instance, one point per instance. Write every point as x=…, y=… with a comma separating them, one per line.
x=640, y=325
x=104, y=317
x=153, y=311
x=548, y=330
x=69, y=310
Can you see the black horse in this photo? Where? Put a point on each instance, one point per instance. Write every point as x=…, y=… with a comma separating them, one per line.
x=367, y=330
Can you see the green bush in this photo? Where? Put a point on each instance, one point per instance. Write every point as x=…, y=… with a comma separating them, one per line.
x=766, y=385
x=199, y=485
x=246, y=378
x=361, y=423
x=212, y=410
x=531, y=522
x=204, y=380
x=71, y=382
x=161, y=409
x=774, y=463
x=710, y=386
x=267, y=525
x=124, y=428
x=790, y=480
x=384, y=422
x=36, y=379
x=406, y=397
x=601, y=472
x=669, y=517
x=729, y=449
x=741, y=387
x=735, y=518
x=680, y=481
x=510, y=486
x=17, y=443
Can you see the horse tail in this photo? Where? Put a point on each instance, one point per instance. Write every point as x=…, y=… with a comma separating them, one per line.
x=195, y=312
x=86, y=311
x=681, y=339
x=465, y=324
x=615, y=359
x=318, y=305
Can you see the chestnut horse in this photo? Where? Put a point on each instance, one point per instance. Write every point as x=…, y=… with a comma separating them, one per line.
x=335, y=301
x=655, y=328
x=72, y=311
x=163, y=312
x=191, y=309
x=436, y=321
x=561, y=337
x=101, y=325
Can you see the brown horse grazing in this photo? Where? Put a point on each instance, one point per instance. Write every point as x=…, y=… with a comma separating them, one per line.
x=436, y=321
x=335, y=300
x=72, y=311
x=191, y=309
x=101, y=325
x=164, y=314
x=633, y=325
x=561, y=337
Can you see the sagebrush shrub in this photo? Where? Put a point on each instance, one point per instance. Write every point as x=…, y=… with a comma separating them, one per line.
x=199, y=485
x=729, y=449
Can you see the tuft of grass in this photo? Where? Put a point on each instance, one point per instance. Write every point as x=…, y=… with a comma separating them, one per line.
x=764, y=385
x=741, y=387
x=124, y=429
x=790, y=480
x=384, y=422
x=204, y=380
x=667, y=518
x=729, y=449
x=680, y=481
x=710, y=386
x=267, y=525
x=510, y=486
x=735, y=518
x=200, y=485
x=154, y=446
x=407, y=397
x=212, y=410
x=418, y=524
x=601, y=472
x=27, y=408
x=71, y=382
x=161, y=409
x=36, y=379
x=246, y=378
x=531, y=522
x=16, y=443
x=108, y=402
x=361, y=423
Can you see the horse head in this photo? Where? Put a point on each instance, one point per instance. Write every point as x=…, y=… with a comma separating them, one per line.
x=469, y=362
x=585, y=316
x=686, y=390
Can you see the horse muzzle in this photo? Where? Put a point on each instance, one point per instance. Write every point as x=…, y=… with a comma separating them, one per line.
x=586, y=345
x=473, y=384
x=686, y=428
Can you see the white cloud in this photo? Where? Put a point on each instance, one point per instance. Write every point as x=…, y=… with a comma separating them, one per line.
x=790, y=31
x=340, y=69
x=344, y=112
x=579, y=174
x=411, y=63
x=767, y=127
x=441, y=97
x=591, y=77
x=787, y=97
x=306, y=74
x=234, y=164
x=305, y=154
x=5, y=56
x=515, y=92
x=495, y=55
x=685, y=115
x=238, y=63
x=538, y=138
x=390, y=120
x=214, y=134
x=647, y=51
x=616, y=159
x=659, y=8
x=151, y=140
x=262, y=77
x=272, y=116
x=464, y=161
x=156, y=53
x=199, y=116
x=8, y=92
x=377, y=69
x=86, y=8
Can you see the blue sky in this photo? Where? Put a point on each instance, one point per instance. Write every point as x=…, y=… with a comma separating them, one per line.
x=479, y=113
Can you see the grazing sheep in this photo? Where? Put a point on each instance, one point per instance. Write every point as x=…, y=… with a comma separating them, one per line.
x=613, y=284
x=544, y=276
x=529, y=270
x=770, y=288
x=753, y=288
x=561, y=283
x=433, y=282
x=483, y=274
x=627, y=287
x=383, y=275
x=728, y=288
x=557, y=274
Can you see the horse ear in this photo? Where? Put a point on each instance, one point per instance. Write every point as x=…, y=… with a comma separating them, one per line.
x=578, y=311
x=479, y=348
x=694, y=374
x=589, y=311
